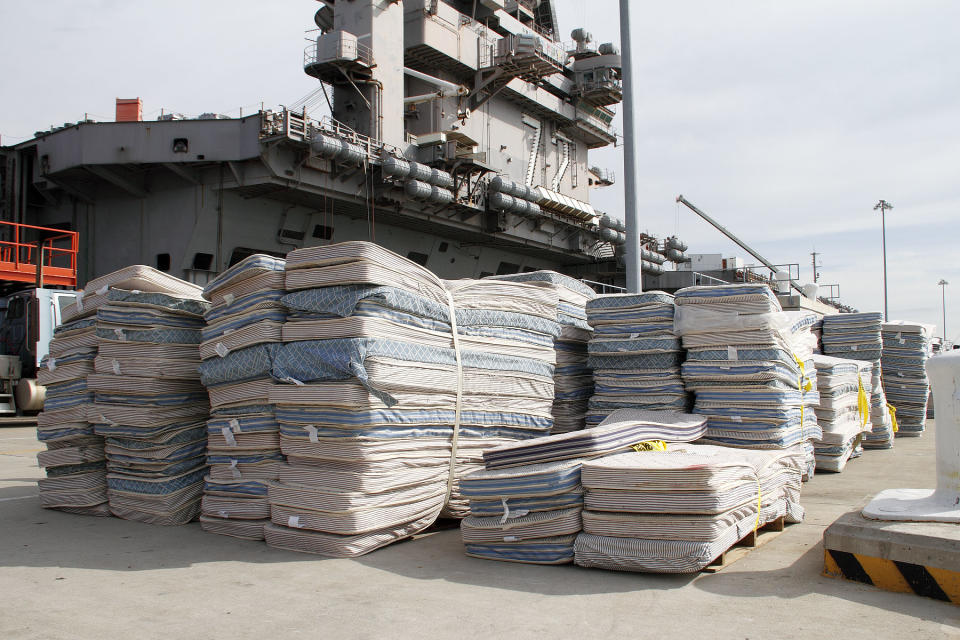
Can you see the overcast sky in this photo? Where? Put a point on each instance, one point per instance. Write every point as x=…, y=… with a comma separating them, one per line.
x=785, y=120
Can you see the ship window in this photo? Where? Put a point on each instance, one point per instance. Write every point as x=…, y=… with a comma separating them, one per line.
x=323, y=232
x=291, y=234
x=163, y=261
x=241, y=253
x=443, y=247
x=202, y=261
x=181, y=145
x=506, y=268
x=419, y=258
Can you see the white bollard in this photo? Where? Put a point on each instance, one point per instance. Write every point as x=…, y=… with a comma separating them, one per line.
x=943, y=503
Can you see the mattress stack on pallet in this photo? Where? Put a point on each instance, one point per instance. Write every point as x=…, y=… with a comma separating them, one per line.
x=383, y=405
x=75, y=462
x=748, y=363
x=856, y=336
x=526, y=504
x=150, y=405
x=906, y=346
x=572, y=379
x=634, y=354
x=677, y=510
x=243, y=332
x=843, y=412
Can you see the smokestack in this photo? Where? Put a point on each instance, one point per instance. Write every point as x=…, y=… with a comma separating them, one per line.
x=129, y=110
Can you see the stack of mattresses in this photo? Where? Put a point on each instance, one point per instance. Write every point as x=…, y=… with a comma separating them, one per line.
x=74, y=460
x=675, y=511
x=856, y=336
x=843, y=412
x=572, y=379
x=906, y=346
x=150, y=405
x=748, y=364
x=526, y=504
x=634, y=354
x=243, y=332
x=386, y=399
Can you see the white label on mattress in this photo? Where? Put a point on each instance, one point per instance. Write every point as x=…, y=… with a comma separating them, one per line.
x=221, y=350
x=853, y=347
x=732, y=353
x=228, y=299
x=293, y=381
x=235, y=425
x=736, y=418
x=899, y=374
x=228, y=436
x=120, y=335
x=634, y=336
x=102, y=291
x=293, y=521
x=224, y=514
x=510, y=538
x=136, y=292
x=725, y=368
x=51, y=364
x=115, y=365
x=228, y=331
x=312, y=430
x=80, y=301
x=234, y=470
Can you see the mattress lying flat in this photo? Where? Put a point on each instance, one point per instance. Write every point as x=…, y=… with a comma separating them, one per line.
x=620, y=430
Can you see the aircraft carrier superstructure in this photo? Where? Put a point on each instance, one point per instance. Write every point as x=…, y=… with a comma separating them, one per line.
x=458, y=136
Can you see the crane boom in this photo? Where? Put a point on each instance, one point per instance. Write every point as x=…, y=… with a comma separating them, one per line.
x=743, y=245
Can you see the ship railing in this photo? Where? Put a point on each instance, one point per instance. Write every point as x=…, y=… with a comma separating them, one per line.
x=18, y=260
x=602, y=287
x=311, y=54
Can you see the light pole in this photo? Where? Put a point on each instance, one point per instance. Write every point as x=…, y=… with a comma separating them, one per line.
x=883, y=205
x=631, y=216
x=943, y=301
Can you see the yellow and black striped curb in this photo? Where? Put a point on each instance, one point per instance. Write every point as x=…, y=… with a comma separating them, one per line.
x=891, y=575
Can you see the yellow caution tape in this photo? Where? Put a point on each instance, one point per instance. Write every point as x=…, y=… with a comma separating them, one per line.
x=801, y=388
x=650, y=445
x=893, y=416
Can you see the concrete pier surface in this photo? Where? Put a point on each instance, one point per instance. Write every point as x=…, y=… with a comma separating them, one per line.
x=65, y=576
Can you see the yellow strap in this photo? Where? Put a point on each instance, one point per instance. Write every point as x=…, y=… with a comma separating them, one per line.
x=801, y=388
x=893, y=416
x=759, y=505
x=863, y=405
x=650, y=445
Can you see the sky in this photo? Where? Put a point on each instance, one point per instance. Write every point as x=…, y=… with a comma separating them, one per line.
x=787, y=121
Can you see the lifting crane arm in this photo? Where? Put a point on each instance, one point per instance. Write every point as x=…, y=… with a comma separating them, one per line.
x=743, y=245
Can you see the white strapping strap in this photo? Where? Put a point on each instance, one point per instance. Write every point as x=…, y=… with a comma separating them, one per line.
x=456, y=420
x=228, y=436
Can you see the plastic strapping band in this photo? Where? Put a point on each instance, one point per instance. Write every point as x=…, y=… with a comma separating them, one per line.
x=759, y=503
x=228, y=299
x=115, y=365
x=120, y=335
x=80, y=301
x=456, y=420
x=235, y=425
x=228, y=436
x=863, y=405
x=234, y=470
x=506, y=510
x=312, y=430
x=801, y=388
x=102, y=291
x=51, y=364
x=221, y=350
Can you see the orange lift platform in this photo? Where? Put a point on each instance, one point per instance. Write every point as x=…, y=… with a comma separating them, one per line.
x=41, y=255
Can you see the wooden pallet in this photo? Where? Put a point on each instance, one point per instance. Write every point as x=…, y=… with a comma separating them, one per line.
x=752, y=540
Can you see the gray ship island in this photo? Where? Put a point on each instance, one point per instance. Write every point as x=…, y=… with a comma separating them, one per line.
x=459, y=138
